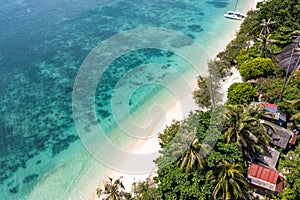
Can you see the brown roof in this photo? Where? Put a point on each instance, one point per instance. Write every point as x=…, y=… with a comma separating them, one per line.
x=289, y=56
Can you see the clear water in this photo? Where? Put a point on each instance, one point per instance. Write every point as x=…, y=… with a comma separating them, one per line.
x=42, y=45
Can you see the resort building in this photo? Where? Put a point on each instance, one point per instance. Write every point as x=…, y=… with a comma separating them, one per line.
x=283, y=137
x=265, y=180
x=272, y=113
x=270, y=158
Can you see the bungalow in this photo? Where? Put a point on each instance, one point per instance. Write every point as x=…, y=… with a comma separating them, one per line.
x=265, y=180
x=270, y=158
x=272, y=113
x=283, y=136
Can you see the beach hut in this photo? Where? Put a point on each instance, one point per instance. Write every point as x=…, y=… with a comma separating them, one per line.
x=265, y=180
x=289, y=57
x=272, y=113
x=269, y=158
x=282, y=137
x=273, y=108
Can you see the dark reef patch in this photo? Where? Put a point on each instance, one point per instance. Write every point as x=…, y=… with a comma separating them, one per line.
x=30, y=178
x=195, y=28
x=219, y=3
x=63, y=144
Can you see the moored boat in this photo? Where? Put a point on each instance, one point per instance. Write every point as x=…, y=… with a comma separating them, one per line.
x=234, y=15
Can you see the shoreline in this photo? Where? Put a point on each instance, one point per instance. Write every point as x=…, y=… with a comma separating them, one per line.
x=172, y=113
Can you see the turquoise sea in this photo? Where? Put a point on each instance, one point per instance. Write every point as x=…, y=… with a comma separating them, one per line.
x=42, y=46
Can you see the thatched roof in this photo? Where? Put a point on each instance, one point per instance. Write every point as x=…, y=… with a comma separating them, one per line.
x=289, y=57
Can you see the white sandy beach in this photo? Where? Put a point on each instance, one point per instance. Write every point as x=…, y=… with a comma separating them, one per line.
x=234, y=77
x=174, y=112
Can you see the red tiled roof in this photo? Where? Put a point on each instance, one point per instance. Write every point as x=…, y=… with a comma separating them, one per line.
x=263, y=173
x=269, y=105
x=293, y=138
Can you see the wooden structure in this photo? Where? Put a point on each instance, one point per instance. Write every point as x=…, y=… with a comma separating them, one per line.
x=282, y=137
x=289, y=57
x=270, y=158
x=265, y=180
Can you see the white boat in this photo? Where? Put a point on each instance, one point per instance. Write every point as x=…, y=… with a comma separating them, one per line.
x=234, y=15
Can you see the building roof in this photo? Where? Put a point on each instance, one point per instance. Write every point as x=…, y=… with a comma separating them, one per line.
x=269, y=158
x=263, y=177
x=263, y=173
x=282, y=137
x=270, y=107
x=293, y=139
x=273, y=110
x=289, y=56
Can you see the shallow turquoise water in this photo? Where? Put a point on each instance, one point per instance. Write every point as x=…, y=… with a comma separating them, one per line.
x=42, y=45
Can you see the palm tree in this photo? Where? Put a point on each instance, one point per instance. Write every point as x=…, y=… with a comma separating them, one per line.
x=145, y=190
x=245, y=128
x=191, y=155
x=113, y=190
x=230, y=181
x=295, y=104
x=263, y=42
x=266, y=26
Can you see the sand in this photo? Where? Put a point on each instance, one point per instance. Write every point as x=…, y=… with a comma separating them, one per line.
x=234, y=77
x=174, y=112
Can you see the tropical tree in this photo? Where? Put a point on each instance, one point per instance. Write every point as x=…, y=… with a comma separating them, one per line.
x=264, y=42
x=230, y=181
x=177, y=184
x=266, y=26
x=245, y=128
x=190, y=156
x=290, y=165
x=294, y=105
x=169, y=133
x=183, y=147
x=145, y=190
x=241, y=93
x=113, y=190
x=257, y=67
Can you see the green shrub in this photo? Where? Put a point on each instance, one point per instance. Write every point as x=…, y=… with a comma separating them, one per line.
x=257, y=67
x=241, y=93
x=243, y=56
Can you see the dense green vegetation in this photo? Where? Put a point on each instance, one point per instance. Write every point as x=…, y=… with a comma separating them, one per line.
x=257, y=67
x=241, y=93
x=208, y=94
x=290, y=164
x=205, y=156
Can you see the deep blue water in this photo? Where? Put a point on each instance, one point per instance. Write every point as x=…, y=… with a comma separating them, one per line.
x=42, y=45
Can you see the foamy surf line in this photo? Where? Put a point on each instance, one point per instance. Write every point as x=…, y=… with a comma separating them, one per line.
x=173, y=111
x=93, y=174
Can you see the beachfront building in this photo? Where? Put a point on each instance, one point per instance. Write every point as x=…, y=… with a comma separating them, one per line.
x=272, y=113
x=265, y=180
x=269, y=158
x=283, y=137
